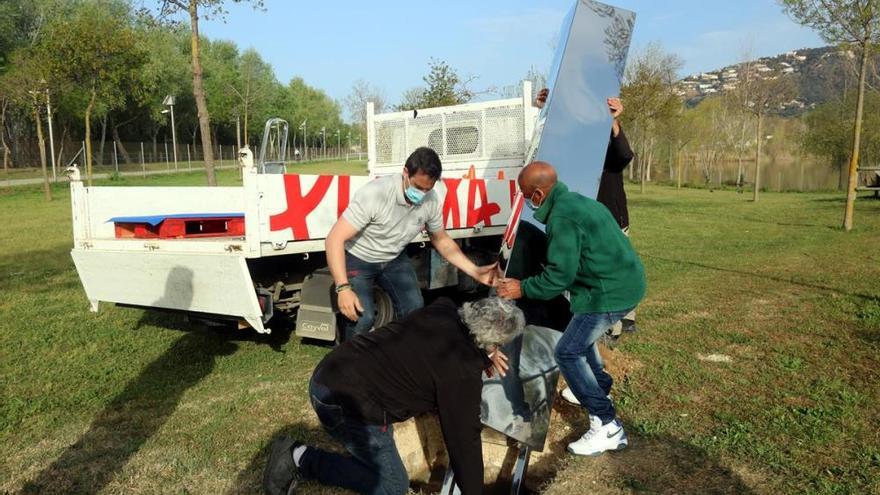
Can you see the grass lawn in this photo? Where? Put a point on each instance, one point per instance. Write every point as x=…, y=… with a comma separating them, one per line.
x=130, y=402
x=353, y=167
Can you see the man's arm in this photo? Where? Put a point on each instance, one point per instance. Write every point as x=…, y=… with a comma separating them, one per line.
x=347, y=300
x=563, y=258
x=458, y=405
x=450, y=250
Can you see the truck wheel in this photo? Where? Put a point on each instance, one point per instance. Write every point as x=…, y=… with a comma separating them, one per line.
x=383, y=316
x=384, y=308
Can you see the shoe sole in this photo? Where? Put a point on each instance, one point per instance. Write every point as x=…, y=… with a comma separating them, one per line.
x=619, y=447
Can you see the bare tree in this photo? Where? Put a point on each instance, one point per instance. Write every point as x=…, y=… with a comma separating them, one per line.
x=854, y=23
x=767, y=96
x=362, y=93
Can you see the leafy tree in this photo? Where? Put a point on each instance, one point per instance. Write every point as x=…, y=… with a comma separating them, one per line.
x=828, y=130
x=444, y=88
x=219, y=61
x=853, y=23
x=165, y=73
x=96, y=50
x=649, y=95
x=302, y=102
x=254, y=87
x=26, y=86
x=209, y=8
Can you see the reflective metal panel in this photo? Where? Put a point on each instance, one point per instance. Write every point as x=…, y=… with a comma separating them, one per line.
x=572, y=134
x=573, y=127
x=518, y=405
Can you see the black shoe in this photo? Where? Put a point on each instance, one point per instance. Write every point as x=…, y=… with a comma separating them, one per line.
x=281, y=475
x=629, y=326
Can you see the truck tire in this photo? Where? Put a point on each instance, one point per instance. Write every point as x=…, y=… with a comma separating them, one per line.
x=384, y=313
x=384, y=308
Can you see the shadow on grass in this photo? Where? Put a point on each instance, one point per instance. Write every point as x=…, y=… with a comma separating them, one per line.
x=867, y=297
x=131, y=418
x=650, y=464
x=139, y=410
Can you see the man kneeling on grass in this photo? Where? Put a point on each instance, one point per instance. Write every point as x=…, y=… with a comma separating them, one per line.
x=430, y=361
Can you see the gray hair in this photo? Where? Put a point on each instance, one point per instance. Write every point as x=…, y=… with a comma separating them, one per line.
x=493, y=321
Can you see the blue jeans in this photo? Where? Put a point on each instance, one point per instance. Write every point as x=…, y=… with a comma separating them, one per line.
x=374, y=467
x=396, y=277
x=582, y=366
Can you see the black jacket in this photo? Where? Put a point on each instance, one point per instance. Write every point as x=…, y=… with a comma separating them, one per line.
x=426, y=362
x=611, y=193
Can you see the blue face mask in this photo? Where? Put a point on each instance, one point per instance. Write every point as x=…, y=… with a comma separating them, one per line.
x=413, y=194
x=530, y=203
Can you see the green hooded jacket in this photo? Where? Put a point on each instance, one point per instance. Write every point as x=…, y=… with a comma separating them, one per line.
x=587, y=255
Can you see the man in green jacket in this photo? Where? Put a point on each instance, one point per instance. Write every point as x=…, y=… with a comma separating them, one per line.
x=593, y=264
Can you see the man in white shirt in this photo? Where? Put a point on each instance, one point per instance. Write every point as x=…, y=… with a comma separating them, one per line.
x=366, y=246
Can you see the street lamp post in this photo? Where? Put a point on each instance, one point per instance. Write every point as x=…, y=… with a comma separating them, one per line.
x=51, y=137
x=338, y=147
x=348, y=150
x=169, y=102
x=324, y=142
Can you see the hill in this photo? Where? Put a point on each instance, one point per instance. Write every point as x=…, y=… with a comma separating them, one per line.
x=820, y=75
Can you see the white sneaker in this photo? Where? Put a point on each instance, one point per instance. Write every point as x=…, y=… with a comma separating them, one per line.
x=600, y=438
x=568, y=395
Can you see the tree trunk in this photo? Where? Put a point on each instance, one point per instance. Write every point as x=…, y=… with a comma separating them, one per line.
x=64, y=132
x=3, y=107
x=41, y=140
x=642, y=173
x=800, y=160
x=103, y=139
x=199, y=94
x=119, y=146
x=88, y=123
x=678, y=169
x=155, y=138
x=246, y=138
x=758, y=158
x=857, y=139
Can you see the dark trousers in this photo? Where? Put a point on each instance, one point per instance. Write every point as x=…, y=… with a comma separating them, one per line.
x=581, y=364
x=397, y=277
x=374, y=466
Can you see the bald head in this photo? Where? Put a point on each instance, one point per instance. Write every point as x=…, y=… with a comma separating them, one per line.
x=537, y=176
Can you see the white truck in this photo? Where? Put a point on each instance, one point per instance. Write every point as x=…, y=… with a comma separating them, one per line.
x=244, y=253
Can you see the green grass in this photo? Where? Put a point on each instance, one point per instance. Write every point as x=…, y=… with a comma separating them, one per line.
x=130, y=402
x=351, y=167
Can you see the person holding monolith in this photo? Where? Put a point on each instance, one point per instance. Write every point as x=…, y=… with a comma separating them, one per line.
x=591, y=261
x=430, y=361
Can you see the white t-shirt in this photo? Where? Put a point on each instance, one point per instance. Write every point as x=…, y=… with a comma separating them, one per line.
x=386, y=222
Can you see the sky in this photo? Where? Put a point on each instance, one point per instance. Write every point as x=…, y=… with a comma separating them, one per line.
x=389, y=43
